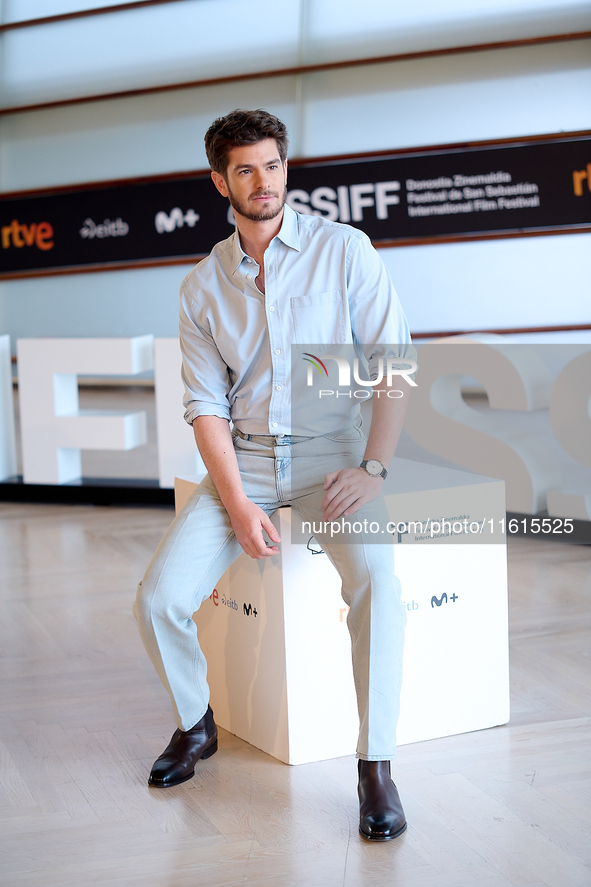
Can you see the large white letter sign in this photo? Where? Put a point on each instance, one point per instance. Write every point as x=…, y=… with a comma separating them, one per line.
x=515, y=378
x=177, y=451
x=53, y=428
x=570, y=415
x=570, y=408
x=7, y=435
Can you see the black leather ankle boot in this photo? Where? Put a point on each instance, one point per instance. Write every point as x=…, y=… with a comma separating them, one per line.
x=381, y=816
x=177, y=762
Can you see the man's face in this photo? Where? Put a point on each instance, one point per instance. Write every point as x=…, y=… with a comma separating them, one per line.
x=255, y=181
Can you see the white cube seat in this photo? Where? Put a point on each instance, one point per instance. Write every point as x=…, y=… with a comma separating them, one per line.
x=278, y=648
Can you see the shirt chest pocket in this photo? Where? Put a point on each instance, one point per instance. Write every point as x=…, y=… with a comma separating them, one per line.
x=320, y=318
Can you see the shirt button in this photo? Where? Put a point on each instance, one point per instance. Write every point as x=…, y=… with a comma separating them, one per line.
x=278, y=351
x=274, y=424
x=271, y=308
x=249, y=276
x=277, y=387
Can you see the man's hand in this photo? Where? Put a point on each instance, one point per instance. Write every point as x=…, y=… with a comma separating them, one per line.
x=348, y=490
x=248, y=522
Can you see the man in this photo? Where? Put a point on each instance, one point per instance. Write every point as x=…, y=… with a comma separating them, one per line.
x=280, y=279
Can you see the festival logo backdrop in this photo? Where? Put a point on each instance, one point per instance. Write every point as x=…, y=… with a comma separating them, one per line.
x=528, y=187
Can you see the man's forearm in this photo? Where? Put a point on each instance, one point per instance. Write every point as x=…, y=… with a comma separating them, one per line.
x=248, y=520
x=349, y=489
x=386, y=424
x=214, y=440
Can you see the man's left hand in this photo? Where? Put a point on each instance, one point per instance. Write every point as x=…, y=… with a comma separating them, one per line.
x=348, y=490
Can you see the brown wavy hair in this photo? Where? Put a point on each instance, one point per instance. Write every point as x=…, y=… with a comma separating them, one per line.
x=242, y=128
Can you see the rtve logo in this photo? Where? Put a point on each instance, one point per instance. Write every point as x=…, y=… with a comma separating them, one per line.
x=579, y=177
x=38, y=234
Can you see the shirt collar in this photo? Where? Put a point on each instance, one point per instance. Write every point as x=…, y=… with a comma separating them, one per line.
x=288, y=234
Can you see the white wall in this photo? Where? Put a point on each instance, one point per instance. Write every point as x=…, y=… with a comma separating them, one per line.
x=487, y=95
x=502, y=284
x=110, y=303
x=196, y=39
x=497, y=94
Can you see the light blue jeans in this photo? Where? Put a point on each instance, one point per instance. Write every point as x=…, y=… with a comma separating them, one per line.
x=200, y=545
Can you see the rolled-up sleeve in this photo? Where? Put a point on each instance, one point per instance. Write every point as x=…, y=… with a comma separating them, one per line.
x=378, y=321
x=204, y=372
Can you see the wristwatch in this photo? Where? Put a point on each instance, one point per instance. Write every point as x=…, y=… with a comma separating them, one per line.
x=374, y=468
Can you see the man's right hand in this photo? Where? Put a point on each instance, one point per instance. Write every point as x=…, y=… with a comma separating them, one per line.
x=248, y=522
x=214, y=440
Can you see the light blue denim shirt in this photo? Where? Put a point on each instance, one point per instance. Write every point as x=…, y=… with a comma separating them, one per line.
x=325, y=285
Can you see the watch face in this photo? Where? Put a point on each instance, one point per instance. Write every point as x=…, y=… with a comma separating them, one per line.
x=374, y=467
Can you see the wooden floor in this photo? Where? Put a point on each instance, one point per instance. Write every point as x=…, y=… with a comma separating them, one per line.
x=82, y=716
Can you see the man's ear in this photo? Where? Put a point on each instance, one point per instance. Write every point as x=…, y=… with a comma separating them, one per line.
x=220, y=183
